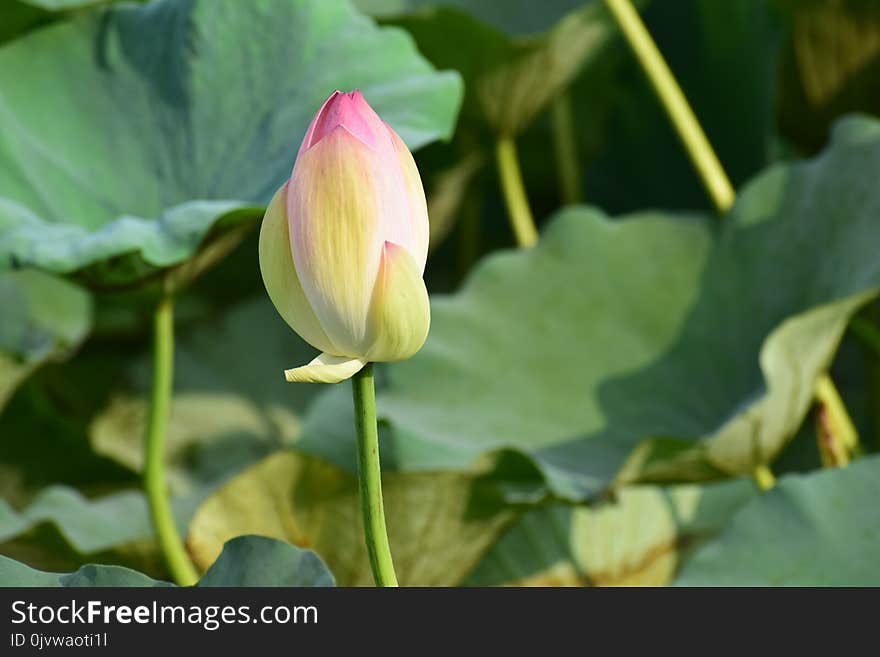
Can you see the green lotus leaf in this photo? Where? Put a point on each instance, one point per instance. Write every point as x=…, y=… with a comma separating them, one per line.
x=244, y=561
x=439, y=524
x=815, y=529
x=133, y=136
x=14, y=573
x=88, y=526
x=262, y=561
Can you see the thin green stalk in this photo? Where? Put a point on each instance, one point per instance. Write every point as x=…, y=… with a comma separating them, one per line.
x=179, y=564
x=370, y=477
x=681, y=115
x=518, y=209
x=702, y=156
x=565, y=147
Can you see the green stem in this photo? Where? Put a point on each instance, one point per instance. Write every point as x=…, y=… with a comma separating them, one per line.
x=681, y=115
x=179, y=564
x=370, y=477
x=564, y=145
x=514, y=193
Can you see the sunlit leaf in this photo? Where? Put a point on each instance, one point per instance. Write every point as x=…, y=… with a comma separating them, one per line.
x=439, y=524
x=639, y=539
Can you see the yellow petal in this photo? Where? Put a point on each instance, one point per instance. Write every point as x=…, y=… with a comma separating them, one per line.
x=400, y=314
x=280, y=278
x=336, y=198
x=418, y=206
x=325, y=369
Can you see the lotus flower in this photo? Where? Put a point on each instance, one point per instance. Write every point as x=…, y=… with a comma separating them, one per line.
x=344, y=242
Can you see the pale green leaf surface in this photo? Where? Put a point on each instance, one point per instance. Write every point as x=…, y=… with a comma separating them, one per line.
x=815, y=529
x=140, y=131
x=244, y=561
x=439, y=524
x=262, y=561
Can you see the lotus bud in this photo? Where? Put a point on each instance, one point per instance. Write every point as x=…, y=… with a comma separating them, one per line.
x=344, y=242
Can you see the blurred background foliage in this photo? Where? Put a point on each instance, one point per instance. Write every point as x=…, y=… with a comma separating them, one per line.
x=584, y=413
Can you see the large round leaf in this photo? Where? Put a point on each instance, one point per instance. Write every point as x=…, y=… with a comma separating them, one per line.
x=645, y=332
x=819, y=529
x=132, y=134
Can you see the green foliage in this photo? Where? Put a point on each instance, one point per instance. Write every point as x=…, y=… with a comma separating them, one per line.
x=637, y=539
x=43, y=319
x=830, y=66
x=509, y=80
x=88, y=526
x=583, y=413
x=817, y=529
x=173, y=133
x=231, y=405
x=613, y=335
x=439, y=524
x=732, y=88
x=245, y=561
x=22, y=16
